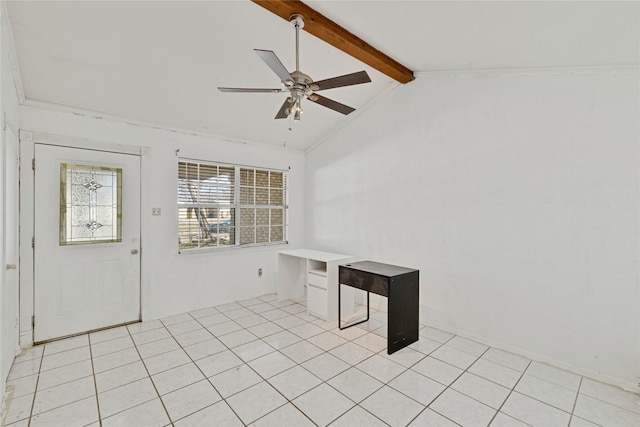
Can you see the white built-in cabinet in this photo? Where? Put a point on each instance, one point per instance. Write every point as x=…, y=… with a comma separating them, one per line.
x=316, y=273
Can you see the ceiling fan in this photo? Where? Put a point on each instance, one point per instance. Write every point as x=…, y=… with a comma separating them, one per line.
x=300, y=85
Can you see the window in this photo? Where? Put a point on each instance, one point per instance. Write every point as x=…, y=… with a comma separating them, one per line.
x=90, y=204
x=226, y=205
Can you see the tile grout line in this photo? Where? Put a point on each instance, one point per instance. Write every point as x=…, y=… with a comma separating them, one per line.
x=513, y=389
x=149, y=376
x=95, y=383
x=35, y=392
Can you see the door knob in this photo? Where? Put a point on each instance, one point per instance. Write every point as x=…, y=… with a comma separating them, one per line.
x=134, y=251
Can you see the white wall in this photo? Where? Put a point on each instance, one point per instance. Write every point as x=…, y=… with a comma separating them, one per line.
x=516, y=195
x=174, y=283
x=8, y=278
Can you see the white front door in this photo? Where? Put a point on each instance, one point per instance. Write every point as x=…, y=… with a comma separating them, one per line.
x=87, y=240
x=9, y=294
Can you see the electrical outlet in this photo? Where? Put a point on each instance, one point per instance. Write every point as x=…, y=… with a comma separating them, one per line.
x=156, y=211
x=259, y=272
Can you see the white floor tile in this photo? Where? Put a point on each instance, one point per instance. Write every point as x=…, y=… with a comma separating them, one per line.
x=603, y=413
x=484, y=391
x=193, y=337
x=176, y=378
x=282, y=339
x=463, y=409
x=355, y=384
x=327, y=340
x=265, y=329
x=358, y=417
x=203, y=312
x=79, y=413
x=237, y=338
x=453, y=356
x=289, y=321
x=235, y=380
x=65, y=374
x=325, y=366
x=213, y=319
x=432, y=419
x=392, y=407
x=381, y=368
x=219, y=362
x=274, y=313
x=177, y=318
x=301, y=351
x=108, y=334
x=468, y=346
x=190, y=399
x=579, y=422
x=261, y=308
x=125, y=397
x=184, y=327
x=249, y=321
x=255, y=402
x=371, y=342
x=150, y=336
x=217, y=415
x=222, y=308
x=136, y=328
x=271, y=364
x=417, y=386
x=111, y=346
x=148, y=414
x=157, y=347
x=507, y=359
x=323, y=404
x=611, y=394
x=554, y=375
x=19, y=408
x=165, y=361
x=306, y=330
x=205, y=348
x=435, y=334
x=503, y=420
x=238, y=313
x=253, y=350
x=23, y=386
x=294, y=382
x=351, y=353
x=66, y=344
x=120, y=376
x=499, y=374
x=286, y=415
x=406, y=357
x=30, y=354
x=113, y=360
x=64, y=358
x=63, y=394
x=554, y=395
x=437, y=370
x=533, y=412
x=24, y=369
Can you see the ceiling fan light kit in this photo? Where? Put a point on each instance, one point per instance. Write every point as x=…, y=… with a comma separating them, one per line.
x=299, y=85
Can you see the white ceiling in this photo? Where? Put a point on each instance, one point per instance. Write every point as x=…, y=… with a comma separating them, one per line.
x=159, y=62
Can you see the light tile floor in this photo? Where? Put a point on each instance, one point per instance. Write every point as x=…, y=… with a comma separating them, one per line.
x=264, y=362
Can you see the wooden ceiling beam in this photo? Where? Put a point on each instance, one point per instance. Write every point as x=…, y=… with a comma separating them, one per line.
x=325, y=29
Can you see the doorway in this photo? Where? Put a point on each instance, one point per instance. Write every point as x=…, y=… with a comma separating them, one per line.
x=86, y=240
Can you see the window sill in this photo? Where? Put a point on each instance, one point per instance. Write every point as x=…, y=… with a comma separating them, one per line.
x=229, y=249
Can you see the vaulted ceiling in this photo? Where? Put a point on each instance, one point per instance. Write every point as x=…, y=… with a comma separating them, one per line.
x=160, y=62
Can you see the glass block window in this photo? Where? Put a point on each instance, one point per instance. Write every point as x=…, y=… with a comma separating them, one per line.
x=227, y=205
x=90, y=204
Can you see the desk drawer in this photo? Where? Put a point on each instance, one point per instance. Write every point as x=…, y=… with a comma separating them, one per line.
x=364, y=280
x=317, y=280
x=317, y=301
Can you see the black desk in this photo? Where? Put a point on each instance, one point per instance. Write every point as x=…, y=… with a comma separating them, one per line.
x=401, y=287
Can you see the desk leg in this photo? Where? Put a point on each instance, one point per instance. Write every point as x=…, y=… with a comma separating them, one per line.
x=339, y=316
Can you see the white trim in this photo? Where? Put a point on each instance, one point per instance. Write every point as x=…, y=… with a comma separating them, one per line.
x=9, y=43
x=65, y=141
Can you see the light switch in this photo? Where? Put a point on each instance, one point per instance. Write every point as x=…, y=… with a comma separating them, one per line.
x=155, y=211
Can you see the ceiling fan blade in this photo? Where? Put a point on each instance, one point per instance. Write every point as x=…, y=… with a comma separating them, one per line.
x=330, y=103
x=346, y=80
x=285, y=110
x=248, y=90
x=274, y=63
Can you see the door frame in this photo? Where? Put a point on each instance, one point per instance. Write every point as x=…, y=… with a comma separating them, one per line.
x=27, y=141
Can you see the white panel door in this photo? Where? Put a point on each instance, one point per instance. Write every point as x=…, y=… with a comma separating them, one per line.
x=87, y=240
x=9, y=297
